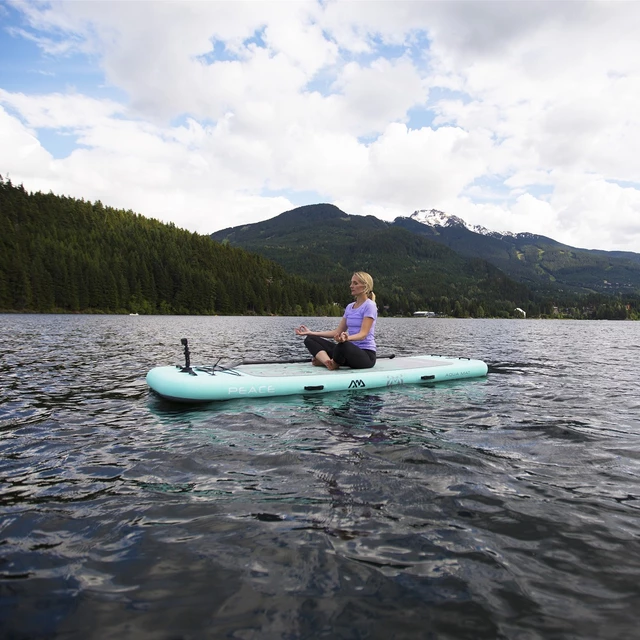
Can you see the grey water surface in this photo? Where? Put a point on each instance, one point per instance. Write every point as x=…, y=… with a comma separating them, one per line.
x=502, y=507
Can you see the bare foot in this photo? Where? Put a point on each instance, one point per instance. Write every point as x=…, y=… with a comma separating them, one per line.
x=315, y=362
x=331, y=365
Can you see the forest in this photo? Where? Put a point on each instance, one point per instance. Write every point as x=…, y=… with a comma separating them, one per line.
x=60, y=254
x=65, y=255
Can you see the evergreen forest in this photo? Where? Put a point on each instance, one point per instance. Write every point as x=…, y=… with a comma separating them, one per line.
x=61, y=255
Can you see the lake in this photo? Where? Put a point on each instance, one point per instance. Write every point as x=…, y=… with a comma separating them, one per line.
x=501, y=507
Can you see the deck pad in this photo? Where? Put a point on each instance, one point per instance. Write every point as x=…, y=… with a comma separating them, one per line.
x=285, y=369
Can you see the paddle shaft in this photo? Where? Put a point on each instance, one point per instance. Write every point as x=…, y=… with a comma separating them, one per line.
x=300, y=360
x=187, y=355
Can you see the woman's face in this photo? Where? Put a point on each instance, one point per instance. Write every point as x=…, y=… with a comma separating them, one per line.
x=357, y=287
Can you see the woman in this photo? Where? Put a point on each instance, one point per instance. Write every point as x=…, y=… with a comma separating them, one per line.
x=355, y=344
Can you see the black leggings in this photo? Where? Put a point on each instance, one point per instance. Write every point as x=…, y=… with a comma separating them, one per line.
x=342, y=353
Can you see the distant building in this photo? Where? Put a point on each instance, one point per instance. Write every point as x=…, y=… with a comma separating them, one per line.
x=521, y=311
x=424, y=314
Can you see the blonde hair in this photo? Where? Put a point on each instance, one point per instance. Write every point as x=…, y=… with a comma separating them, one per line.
x=367, y=281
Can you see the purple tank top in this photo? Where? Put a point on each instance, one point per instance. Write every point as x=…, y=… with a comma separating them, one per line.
x=354, y=318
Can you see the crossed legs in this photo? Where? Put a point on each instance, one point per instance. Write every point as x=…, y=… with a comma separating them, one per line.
x=332, y=355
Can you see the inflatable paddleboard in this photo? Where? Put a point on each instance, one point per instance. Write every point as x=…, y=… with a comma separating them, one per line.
x=269, y=379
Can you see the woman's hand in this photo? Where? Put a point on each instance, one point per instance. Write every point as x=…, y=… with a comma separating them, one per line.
x=302, y=330
x=365, y=328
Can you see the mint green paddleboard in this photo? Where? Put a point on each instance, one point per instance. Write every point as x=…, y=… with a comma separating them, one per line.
x=269, y=379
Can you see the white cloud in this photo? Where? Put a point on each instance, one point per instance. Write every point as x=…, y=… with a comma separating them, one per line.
x=61, y=111
x=533, y=103
x=21, y=154
x=380, y=93
x=591, y=207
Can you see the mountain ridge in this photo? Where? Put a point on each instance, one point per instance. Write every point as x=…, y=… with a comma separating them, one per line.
x=301, y=239
x=435, y=217
x=532, y=258
x=326, y=245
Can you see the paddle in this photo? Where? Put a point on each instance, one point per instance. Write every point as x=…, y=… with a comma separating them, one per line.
x=299, y=360
x=187, y=356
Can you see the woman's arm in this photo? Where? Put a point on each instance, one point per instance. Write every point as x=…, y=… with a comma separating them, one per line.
x=304, y=331
x=365, y=327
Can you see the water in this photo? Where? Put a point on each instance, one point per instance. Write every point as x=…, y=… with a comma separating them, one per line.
x=504, y=507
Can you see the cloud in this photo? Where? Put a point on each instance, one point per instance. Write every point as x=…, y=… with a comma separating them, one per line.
x=514, y=115
x=21, y=153
x=61, y=111
x=593, y=206
x=382, y=92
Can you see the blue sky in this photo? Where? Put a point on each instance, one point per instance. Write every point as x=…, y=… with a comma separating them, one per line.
x=215, y=114
x=24, y=66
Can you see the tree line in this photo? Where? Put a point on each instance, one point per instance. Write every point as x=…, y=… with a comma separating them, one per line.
x=61, y=254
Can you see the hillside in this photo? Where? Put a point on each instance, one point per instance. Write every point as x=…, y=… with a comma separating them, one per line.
x=538, y=261
x=325, y=245
x=452, y=270
x=66, y=255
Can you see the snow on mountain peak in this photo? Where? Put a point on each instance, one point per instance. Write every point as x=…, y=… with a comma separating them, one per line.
x=435, y=218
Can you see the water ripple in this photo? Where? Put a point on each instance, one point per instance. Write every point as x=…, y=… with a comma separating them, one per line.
x=505, y=507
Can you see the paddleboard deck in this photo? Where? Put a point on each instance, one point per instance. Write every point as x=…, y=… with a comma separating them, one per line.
x=266, y=380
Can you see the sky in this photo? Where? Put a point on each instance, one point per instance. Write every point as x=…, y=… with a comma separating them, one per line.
x=517, y=115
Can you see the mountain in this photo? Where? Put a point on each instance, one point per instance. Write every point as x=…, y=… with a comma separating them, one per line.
x=437, y=262
x=325, y=245
x=538, y=261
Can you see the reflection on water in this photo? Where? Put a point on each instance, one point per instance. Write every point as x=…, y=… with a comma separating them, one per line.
x=498, y=507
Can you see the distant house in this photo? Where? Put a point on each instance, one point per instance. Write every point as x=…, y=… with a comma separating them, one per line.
x=424, y=314
x=521, y=311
